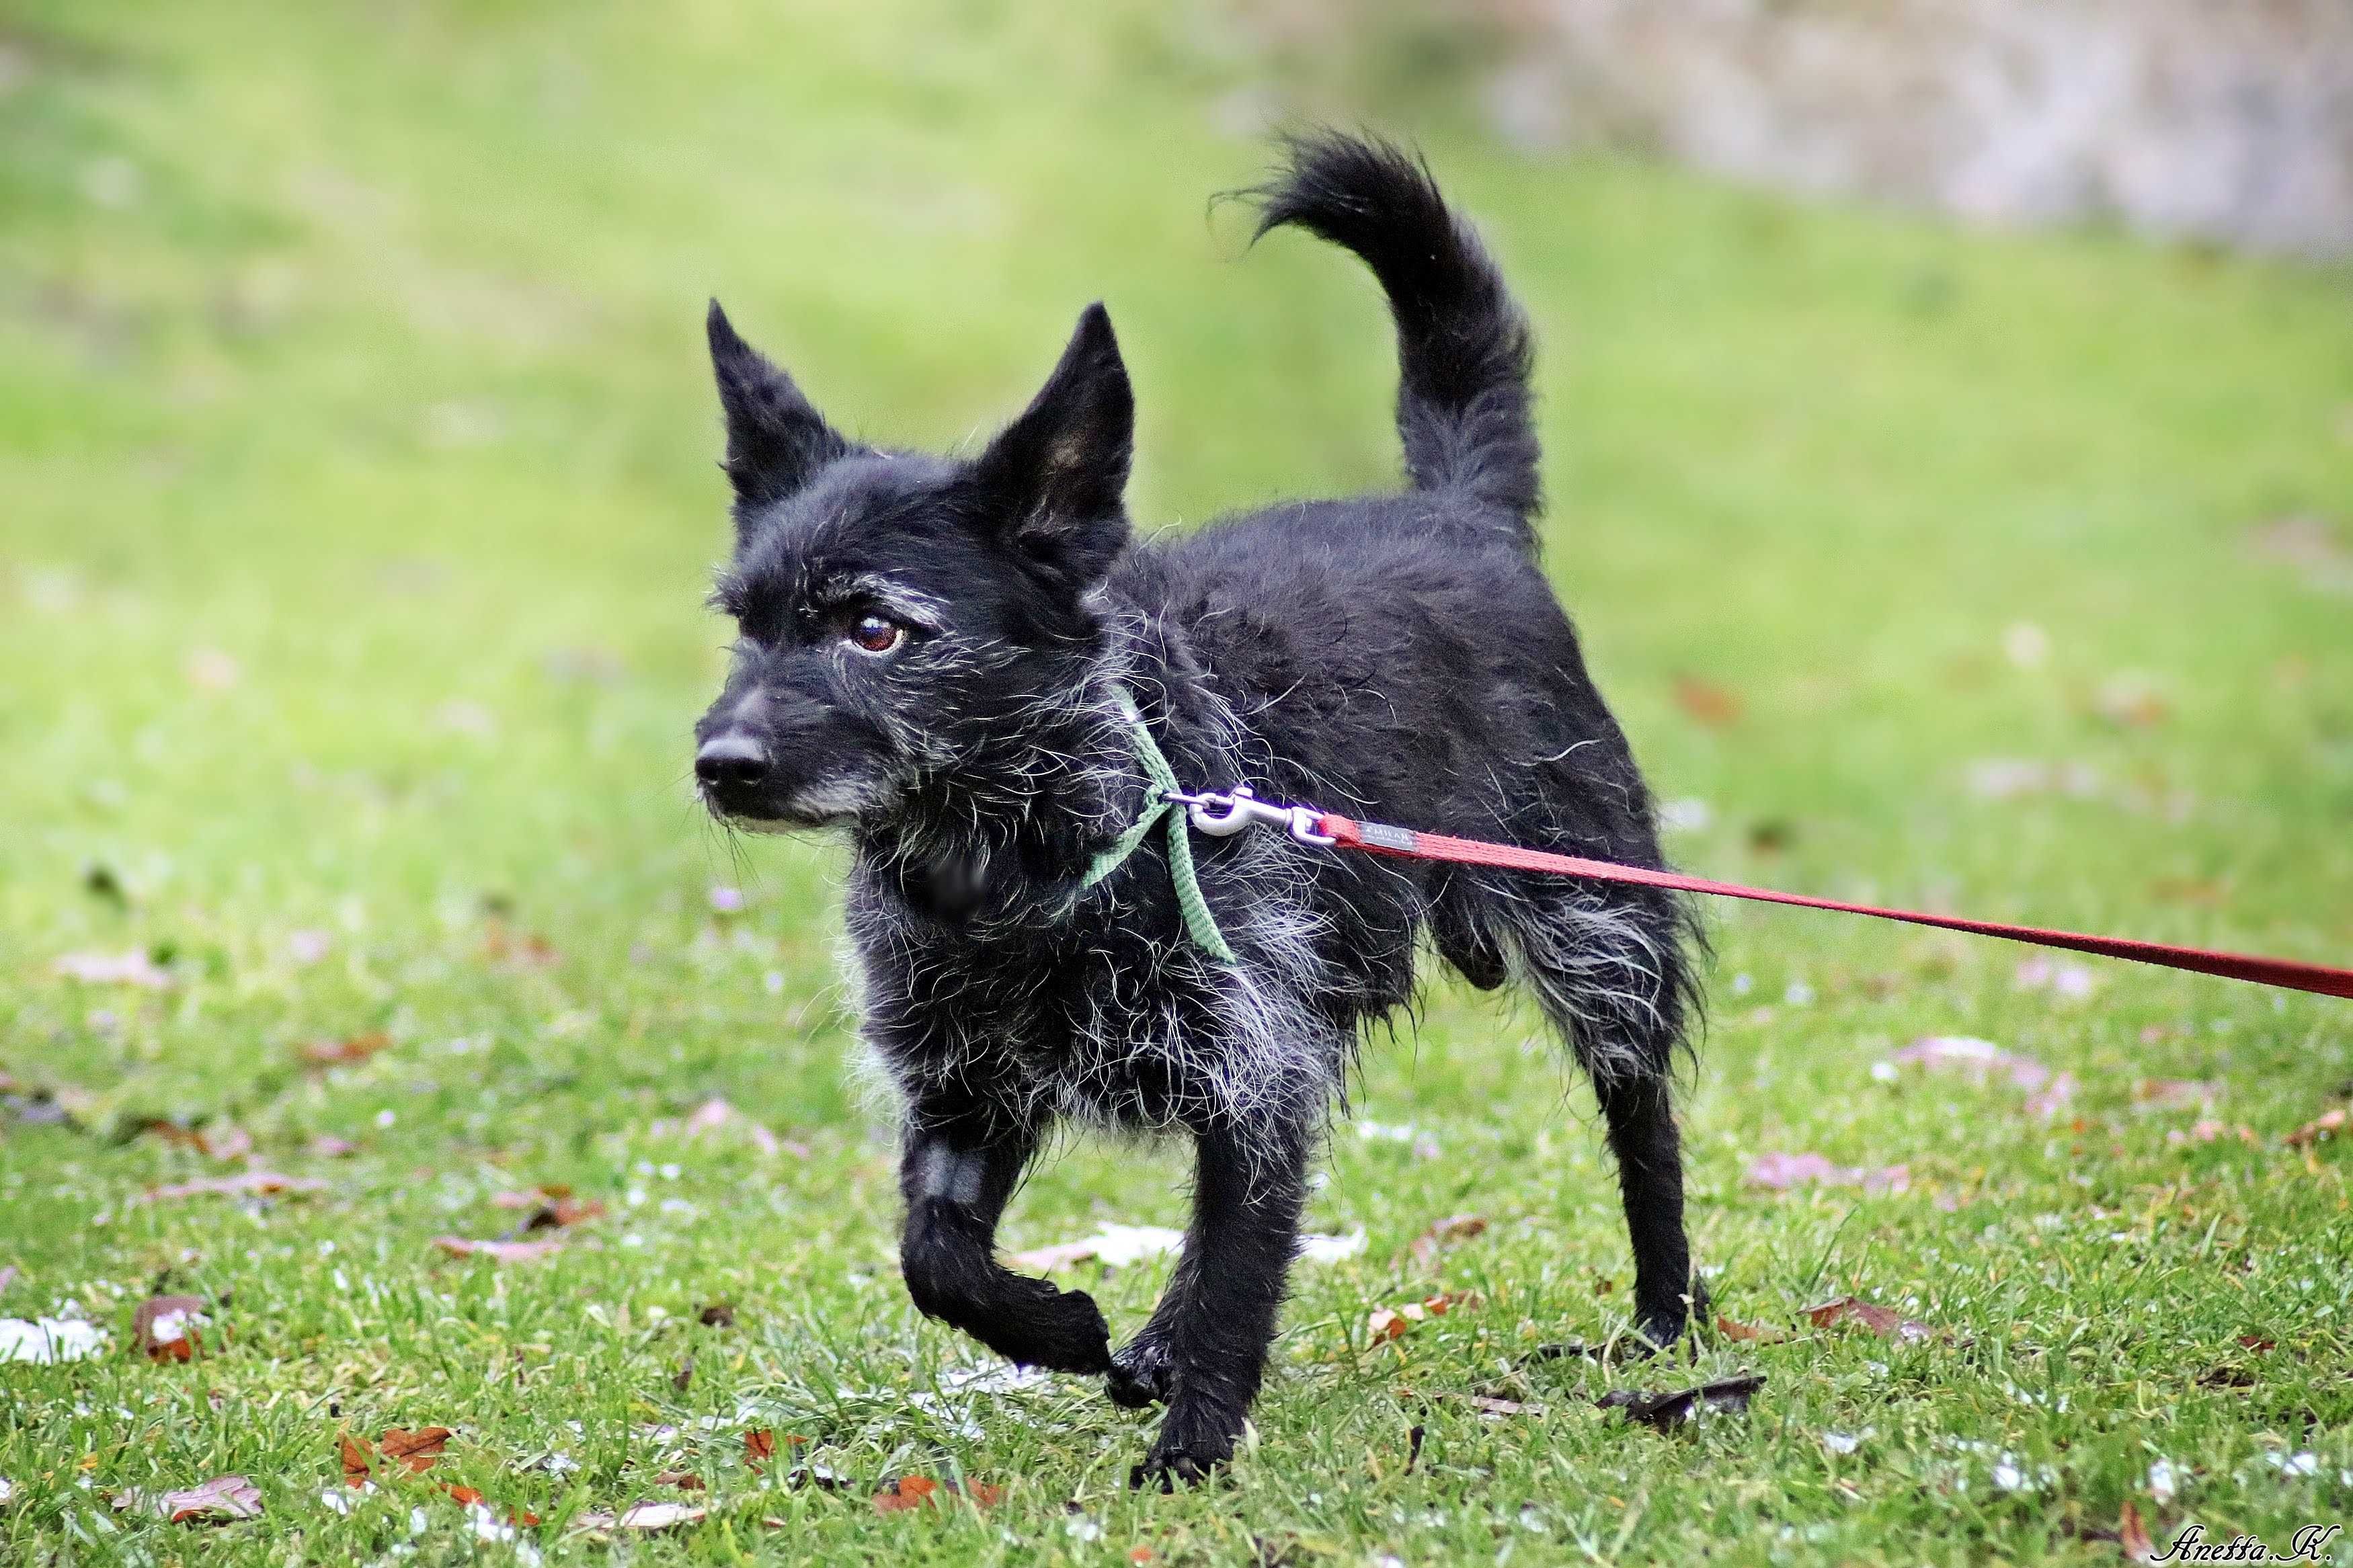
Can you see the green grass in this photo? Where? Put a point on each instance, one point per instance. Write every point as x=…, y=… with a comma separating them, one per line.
x=355, y=504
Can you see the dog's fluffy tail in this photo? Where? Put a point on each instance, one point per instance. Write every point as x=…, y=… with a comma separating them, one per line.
x=1463, y=349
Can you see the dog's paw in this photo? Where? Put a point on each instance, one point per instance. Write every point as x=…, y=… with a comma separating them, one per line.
x=1196, y=1441
x=1164, y=1468
x=1656, y=1332
x=1141, y=1375
x=1068, y=1335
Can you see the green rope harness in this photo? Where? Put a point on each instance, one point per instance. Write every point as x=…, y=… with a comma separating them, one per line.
x=1200, y=924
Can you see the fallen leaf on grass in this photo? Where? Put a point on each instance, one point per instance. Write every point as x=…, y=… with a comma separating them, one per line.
x=906, y=1492
x=223, y=1496
x=245, y=1185
x=910, y=1493
x=337, y=1053
x=132, y=968
x=2131, y=702
x=2069, y=982
x=716, y=1115
x=552, y=1207
x=224, y=1142
x=759, y=1445
x=1979, y=1059
x=1710, y=704
x=526, y=950
x=418, y=1450
x=1389, y=1324
x=356, y=1457
x=1728, y=1396
x=1749, y=1333
x=2205, y=1130
x=501, y=1251
x=2175, y=1094
x=2132, y=1535
x=684, y=1480
x=47, y=1340
x=2051, y=1098
x=1884, y=1321
x=1113, y=1247
x=1486, y=1405
x=1452, y=1228
x=2307, y=542
x=165, y=1327
x=1779, y=1173
x=2319, y=1128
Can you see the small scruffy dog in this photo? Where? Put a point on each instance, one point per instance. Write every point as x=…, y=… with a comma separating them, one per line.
x=946, y=658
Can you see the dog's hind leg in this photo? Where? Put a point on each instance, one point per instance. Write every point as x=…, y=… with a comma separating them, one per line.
x=1610, y=970
x=956, y=1179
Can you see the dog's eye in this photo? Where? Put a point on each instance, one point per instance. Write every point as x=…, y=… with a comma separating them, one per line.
x=875, y=634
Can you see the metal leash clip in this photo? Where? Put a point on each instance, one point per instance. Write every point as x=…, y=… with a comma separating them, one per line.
x=1220, y=814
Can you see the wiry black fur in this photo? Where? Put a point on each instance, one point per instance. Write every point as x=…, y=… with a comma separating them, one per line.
x=1396, y=657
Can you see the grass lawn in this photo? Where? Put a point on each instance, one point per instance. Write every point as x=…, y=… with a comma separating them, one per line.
x=356, y=500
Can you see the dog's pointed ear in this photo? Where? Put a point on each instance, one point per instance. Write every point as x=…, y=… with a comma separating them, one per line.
x=776, y=437
x=1054, y=480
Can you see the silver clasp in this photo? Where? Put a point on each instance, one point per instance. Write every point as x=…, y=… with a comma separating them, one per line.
x=1220, y=814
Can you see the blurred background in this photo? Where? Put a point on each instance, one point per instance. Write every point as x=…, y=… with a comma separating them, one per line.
x=1948, y=407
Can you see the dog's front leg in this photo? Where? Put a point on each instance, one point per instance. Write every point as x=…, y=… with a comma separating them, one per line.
x=956, y=1183
x=1206, y=1349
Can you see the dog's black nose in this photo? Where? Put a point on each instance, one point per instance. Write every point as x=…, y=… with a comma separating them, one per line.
x=730, y=757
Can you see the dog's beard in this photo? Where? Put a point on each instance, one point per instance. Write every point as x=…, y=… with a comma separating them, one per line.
x=828, y=802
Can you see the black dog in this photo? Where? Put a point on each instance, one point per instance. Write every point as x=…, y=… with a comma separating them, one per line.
x=947, y=658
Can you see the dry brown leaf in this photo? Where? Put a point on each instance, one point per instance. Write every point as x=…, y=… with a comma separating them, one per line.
x=165, y=1327
x=759, y=1445
x=222, y=1140
x=2133, y=1535
x=2175, y=1094
x=418, y=1449
x=499, y=1251
x=334, y=1053
x=1728, y=1396
x=1749, y=1333
x=2319, y=1128
x=1384, y=1324
x=684, y=1480
x=223, y=1496
x=246, y=1183
x=527, y=950
x=1486, y=1405
x=357, y=1455
x=906, y=1493
x=1452, y=1228
x=1884, y=1321
x=1710, y=704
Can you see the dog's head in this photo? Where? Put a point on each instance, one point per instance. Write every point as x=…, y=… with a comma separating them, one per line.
x=897, y=613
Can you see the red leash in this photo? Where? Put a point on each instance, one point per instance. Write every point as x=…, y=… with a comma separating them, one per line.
x=1220, y=813
x=1379, y=838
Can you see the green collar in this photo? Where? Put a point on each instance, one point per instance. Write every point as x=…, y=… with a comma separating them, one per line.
x=1200, y=924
